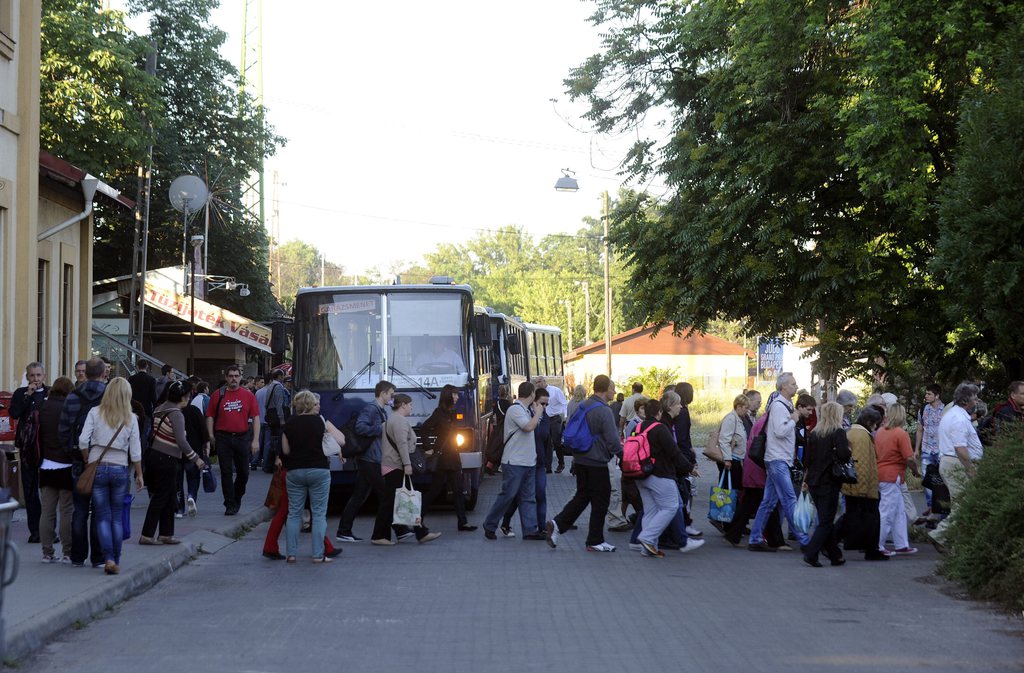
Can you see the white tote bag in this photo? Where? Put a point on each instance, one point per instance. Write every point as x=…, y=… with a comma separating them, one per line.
x=408, y=505
x=330, y=444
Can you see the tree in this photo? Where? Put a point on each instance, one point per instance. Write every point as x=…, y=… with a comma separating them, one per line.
x=808, y=143
x=213, y=130
x=980, y=254
x=301, y=267
x=94, y=98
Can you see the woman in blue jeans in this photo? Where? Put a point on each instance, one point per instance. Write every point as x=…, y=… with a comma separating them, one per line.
x=308, y=473
x=110, y=437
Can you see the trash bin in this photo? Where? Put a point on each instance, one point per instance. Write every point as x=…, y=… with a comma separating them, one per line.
x=8, y=558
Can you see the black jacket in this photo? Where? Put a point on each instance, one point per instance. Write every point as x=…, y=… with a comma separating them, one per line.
x=819, y=455
x=144, y=391
x=668, y=458
x=441, y=425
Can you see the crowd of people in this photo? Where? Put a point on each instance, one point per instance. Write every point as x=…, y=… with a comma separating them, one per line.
x=83, y=443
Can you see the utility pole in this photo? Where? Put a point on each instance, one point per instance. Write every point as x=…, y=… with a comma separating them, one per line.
x=568, y=308
x=251, y=71
x=586, y=300
x=607, y=290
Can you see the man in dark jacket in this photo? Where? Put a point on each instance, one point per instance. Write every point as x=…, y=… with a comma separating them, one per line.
x=593, y=482
x=1006, y=413
x=143, y=387
x=72, y=418
x=24, y=402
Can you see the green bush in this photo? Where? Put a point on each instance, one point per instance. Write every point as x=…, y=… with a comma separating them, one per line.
x=985, y=540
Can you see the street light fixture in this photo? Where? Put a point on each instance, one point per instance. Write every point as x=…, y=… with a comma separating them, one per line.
x=188, y=193
x=567, y=183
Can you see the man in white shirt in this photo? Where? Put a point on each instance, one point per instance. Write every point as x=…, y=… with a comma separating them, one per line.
x=959, y=449
x=518, y=464
x=778, y=458
x=557, y=408
x=628, y=410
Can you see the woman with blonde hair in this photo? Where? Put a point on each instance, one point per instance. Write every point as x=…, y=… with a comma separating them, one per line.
x=894, y=452
x=110, y=437
x=308, y=472
x=827, y=445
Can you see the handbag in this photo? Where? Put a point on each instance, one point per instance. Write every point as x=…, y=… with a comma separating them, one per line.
x=408, y=505
x=209, y=479
x=759, y=444
x=276, y=490
x=417, y=458
x=329, y=443
x=712, y=451
x=84, y=484
x=844, y=473
x=722, y=507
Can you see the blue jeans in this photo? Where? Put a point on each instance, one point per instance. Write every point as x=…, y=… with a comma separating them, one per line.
x=541, y=485
x=778, y=490
x=516, y=481
x=316, y=483
x=83, y=527
x=926, y=460
x=108, y=492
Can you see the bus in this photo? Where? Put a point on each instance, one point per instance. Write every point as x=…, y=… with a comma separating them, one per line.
x=418, y=337
x=510, y=351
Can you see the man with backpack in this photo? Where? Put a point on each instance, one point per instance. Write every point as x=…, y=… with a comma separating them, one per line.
x=272, y=409
x=233, y=420
x=25, y=405
x=84, y=537
x=593, y=435
x=369, y=428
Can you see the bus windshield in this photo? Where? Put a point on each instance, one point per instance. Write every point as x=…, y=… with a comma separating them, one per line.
x=340, y=337
x=426, y=337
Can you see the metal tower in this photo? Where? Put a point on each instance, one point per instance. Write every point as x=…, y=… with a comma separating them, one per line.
x=251, y=72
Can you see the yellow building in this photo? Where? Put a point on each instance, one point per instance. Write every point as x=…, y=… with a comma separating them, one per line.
x=45, y=220
x=19, y=185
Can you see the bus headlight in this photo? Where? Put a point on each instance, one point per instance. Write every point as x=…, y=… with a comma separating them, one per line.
x=460, y=440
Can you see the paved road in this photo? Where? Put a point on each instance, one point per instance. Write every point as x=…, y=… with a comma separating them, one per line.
x=465, y=604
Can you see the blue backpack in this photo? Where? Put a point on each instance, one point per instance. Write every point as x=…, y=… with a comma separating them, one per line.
x=577, y=435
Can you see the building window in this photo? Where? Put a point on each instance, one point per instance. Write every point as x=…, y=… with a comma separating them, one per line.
x=67, y=317
x=7, y=29
x=42, y=272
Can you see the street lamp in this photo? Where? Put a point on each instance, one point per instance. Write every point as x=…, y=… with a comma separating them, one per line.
x=567, y=183
x=188, y=193
x=568, y=308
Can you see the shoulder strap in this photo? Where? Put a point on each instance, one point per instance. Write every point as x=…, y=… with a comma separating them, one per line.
x=216, y=407
x=110, y=443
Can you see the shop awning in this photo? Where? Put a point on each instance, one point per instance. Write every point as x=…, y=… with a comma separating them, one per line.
x=165, y=292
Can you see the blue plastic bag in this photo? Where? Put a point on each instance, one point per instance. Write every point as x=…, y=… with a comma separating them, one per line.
x=126, y=515
x=723, y=499
x=804, y=514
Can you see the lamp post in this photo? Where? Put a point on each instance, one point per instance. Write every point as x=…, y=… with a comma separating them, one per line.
x=188, y=193
x=568, y=183
x=197, y=243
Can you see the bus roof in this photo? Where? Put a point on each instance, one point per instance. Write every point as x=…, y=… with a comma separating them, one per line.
x=534, y=327
x=376, y=289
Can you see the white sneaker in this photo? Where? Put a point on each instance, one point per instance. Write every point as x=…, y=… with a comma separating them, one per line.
x=506, y=531
x=604, y=546
x=551, y=532
x=692, y=544
x=190, y=507
x=693, y=532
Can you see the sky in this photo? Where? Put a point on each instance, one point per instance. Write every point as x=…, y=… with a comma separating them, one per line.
x=414, y=123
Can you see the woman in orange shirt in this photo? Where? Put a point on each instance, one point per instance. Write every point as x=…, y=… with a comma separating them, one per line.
x=894, y=452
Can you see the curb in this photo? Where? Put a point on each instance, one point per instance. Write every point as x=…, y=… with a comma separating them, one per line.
x=31, y=635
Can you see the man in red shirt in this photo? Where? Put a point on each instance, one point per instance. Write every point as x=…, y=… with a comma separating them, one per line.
x=233, y=420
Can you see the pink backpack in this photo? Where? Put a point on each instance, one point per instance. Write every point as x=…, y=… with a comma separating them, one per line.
x=636, y=455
